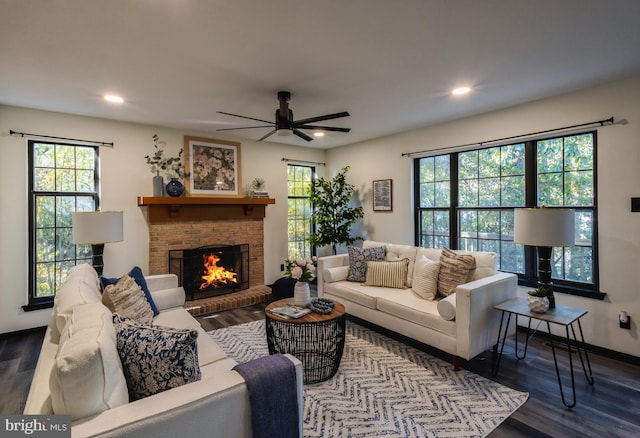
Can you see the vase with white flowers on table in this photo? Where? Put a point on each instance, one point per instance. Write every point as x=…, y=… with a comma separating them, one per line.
x=302, y=269
x=172, y=167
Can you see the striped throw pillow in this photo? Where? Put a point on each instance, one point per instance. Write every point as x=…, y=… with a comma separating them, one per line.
x=387, y=274
x=425, y=278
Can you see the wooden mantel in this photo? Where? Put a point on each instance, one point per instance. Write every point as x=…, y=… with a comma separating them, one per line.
x=182, y=209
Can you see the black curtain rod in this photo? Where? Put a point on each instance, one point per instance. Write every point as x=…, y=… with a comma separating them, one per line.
x=303, y=162
x=22, y=134
x=608, y=121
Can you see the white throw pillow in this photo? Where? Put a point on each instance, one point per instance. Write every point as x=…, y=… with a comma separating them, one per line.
x=447, y=307
x=338, y=273
x=425, y=278
x=87, y=376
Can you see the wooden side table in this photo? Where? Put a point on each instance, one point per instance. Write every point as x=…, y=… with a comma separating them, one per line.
x=316, y=340
x=561, y=315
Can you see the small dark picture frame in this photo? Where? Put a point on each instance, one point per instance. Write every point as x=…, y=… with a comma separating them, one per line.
x=382, y=195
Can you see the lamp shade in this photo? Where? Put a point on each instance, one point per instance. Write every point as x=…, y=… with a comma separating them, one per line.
x=97, y=227
x=544, y=226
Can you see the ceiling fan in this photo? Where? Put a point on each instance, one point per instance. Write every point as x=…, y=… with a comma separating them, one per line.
x=285, y=125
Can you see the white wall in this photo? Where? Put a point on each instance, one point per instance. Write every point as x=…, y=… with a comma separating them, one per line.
x=618, y=180
x=125, y=175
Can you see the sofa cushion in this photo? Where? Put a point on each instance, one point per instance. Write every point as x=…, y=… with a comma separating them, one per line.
x=358, y=293
x=454, y=271
x=87, y=376
x=397, y=252
x=447, y=307
x=208, y=350
x=358, y=258
x=138, y=276
x=404, y=304
x=126, y=298
x=80, y=287
x=387, y=274
x=155, y=358
x=425, y=278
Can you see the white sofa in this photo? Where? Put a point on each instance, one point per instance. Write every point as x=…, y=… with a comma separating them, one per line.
x=215, y=406
x=468, y=324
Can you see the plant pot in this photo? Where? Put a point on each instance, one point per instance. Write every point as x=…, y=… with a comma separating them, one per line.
x=301, y=294
x=175, y=187
x=538, y=304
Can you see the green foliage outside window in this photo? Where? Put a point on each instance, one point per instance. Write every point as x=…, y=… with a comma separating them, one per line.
x=491, y=182
x=64, y=181
x=299, y=225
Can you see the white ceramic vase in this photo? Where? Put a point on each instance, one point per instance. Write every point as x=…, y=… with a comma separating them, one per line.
x=301, y=294
x=538, y=304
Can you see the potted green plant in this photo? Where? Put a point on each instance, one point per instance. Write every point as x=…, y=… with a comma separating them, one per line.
x=537, y=299
x=332, y=214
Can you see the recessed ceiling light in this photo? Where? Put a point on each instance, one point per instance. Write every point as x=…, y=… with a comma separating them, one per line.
x=460, y=91
x=318, y=134
x=113, y=99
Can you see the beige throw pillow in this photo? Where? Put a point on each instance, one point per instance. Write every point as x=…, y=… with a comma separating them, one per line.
x=454, y=271
x=425, y=278
x=387, y=274
x=127, y=298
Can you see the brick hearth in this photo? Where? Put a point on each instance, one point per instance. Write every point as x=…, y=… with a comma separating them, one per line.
x=248, y=297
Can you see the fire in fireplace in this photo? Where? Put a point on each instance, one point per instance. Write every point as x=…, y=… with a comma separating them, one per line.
x=211, y=270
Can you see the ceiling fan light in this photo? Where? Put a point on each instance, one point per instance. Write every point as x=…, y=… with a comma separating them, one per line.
x=284, y=132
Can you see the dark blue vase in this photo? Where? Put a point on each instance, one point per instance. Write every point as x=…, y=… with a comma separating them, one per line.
x=174, y=187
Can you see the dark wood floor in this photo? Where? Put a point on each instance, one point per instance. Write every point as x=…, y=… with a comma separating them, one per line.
x=609, y=408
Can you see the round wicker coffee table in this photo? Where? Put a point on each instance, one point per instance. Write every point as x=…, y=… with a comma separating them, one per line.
x=316, y=340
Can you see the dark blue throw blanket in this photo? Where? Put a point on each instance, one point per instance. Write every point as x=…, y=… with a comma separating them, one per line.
x=271, y=381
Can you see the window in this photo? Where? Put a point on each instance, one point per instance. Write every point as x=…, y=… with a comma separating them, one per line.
x=63, y=178
x=465, y=200
x=299, y=222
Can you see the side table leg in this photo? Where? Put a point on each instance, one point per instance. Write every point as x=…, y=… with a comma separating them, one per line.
x=581, y=343
x=526, y=340
x=497, y=349
x=555, y=361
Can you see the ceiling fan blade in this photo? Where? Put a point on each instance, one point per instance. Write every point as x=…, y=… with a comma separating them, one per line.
x=324, y=128
x=298, y=123
x=245, y=117
x=302, y=135
x=270, y=133
x=246, y=127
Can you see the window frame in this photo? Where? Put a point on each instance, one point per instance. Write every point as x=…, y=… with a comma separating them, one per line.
x=529, y=277
x=301, y=197
x=33, y=301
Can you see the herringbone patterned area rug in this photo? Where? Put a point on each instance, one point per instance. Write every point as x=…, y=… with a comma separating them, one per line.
x=385, y=388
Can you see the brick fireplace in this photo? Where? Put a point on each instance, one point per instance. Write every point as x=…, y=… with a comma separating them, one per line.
x=179, y=223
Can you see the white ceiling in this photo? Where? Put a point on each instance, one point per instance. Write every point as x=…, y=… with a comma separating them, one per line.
x=391, y=64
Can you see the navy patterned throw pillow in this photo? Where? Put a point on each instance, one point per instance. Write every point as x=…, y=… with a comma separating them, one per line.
x=358, y=258
x=155, y=358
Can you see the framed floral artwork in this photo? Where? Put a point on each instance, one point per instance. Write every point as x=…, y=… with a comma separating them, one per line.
x=382, y=195
x=213, y=166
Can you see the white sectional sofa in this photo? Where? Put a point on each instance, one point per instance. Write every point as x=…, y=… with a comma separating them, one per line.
x=217, y=405
x=463, y=324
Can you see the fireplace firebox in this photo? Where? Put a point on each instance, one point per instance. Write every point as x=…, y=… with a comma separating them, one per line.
x=212, y=270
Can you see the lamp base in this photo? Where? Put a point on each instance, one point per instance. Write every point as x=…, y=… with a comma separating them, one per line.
x=544, y=273
x=97, y=261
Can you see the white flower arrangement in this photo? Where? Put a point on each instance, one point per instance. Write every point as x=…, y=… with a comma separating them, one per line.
x=302, y=269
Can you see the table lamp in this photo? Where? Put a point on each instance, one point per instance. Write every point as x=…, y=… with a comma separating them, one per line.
x=545, y=228
x=97, y=228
